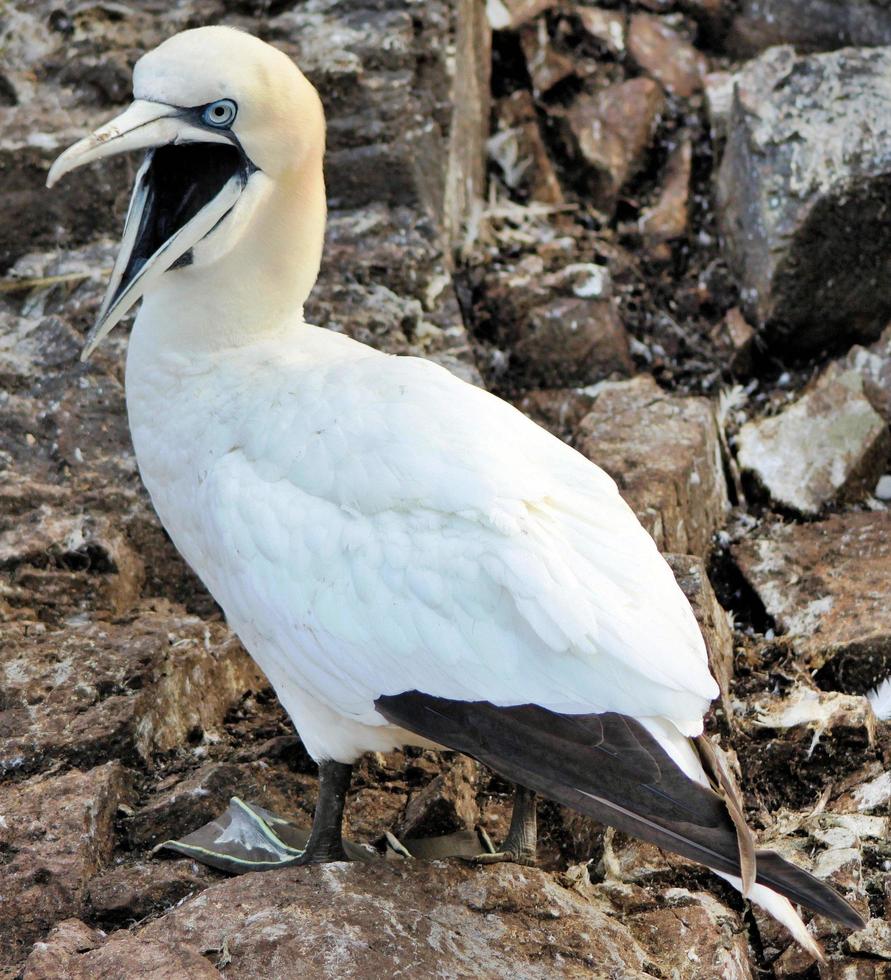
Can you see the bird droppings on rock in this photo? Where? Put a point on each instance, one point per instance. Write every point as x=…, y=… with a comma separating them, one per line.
x=665, y=455
x=828, y=446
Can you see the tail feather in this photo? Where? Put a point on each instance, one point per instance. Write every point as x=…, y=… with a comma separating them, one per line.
x=609, y=767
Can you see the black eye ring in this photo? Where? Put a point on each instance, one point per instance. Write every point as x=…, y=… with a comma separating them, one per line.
x=220, y=114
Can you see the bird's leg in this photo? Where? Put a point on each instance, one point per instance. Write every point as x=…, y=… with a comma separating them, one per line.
x=325, y=839
x=520, y=844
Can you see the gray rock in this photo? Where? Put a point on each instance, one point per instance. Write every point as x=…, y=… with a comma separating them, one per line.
x=826, y=585
x=664, y=453
x=873, y=364
x=811, y=25
x=830, y=445
x=802, y=194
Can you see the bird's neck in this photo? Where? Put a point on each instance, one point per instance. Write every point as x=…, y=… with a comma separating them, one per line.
x=258, y=286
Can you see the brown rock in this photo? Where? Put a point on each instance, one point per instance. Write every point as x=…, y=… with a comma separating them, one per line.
x=612, y=131
x=692, y=577
x=520, y=152
x=559, y=410
x=122, y=956
x=175, y=810
x=828, y=446
x=57, y=832
x=498, y=921
x=666, y=55
x=664, y=453
x=826, y=585
x=98, y=691
x=695, y=936
x=573, y=341
x=52, y=958
x=444, y=805
x=668, y=218
x=609, y=27
x=736, y=339
x=547, y=66
x=134, y=891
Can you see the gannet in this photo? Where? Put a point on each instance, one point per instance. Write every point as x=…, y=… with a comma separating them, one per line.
x=409, y=559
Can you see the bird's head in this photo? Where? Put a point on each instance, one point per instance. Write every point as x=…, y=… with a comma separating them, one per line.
x=225, y=119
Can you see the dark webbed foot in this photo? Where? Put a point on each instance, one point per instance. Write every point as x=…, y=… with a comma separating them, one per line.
x=520, y=845
x=248, y=838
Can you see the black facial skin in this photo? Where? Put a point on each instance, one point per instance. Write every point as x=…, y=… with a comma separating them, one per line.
x=180, y=181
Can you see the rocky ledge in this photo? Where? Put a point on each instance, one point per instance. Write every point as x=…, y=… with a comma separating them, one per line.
x=671, y=257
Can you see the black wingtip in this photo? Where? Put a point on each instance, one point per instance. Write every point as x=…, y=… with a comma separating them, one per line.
x=802, y=887
x=608, y=767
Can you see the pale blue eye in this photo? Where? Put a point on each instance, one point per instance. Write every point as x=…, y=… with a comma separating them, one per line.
x=220, y=114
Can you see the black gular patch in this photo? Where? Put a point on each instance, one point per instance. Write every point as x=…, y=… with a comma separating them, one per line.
x=179, y=182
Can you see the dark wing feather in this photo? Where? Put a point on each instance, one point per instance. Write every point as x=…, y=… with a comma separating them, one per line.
x=609, y=767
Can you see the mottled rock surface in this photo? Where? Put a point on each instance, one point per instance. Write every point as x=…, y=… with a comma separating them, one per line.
x=664, y=453
x=817, y=26
x=829, y=445
x=826, y=585
x=803, y=187
x=589, y=250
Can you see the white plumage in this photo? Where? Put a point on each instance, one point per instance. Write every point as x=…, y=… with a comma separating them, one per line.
x=371, y=525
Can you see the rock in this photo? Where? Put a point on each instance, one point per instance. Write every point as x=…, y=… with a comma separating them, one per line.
x=52, y=958
x=801, y=194
x=560, y=328
x=122, y=956
x=760, y=24
x=829, y=446
x=826, y=585
x=547, y=66
x=57, y=832
x=719, y=89
x=444, y=805
x=664, y=453
x=92, y=692
x=666, y=55
x=873, y=365
x=698, y=937
x=509, y=14
x=609, y=27
x=818, y=737
x=692, y=576
x=611, y=132
x=442, y=918
x=559, y=410
x=132, y=892
x=520, y=152
x=572, y=341
x=668, y=218
x=874, y=940
x=736, y=339
x=176, y=810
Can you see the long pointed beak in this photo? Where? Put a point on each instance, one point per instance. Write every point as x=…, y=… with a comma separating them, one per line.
x=177, y=197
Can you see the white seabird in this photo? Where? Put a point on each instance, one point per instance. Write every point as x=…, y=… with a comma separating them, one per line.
x=408, y=558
